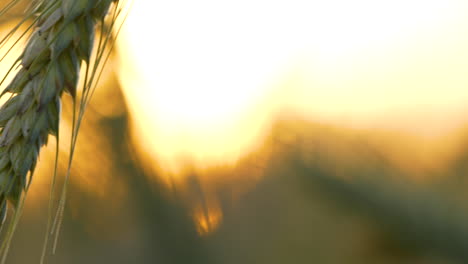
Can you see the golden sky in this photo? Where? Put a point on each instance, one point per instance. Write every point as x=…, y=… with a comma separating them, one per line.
x=207, y=77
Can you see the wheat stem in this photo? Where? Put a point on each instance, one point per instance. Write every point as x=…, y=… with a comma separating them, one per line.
x=51, y=199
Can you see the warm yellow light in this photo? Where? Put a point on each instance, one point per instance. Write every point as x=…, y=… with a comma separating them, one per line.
x=9, y=52
x=207, y=218
x=204, y=78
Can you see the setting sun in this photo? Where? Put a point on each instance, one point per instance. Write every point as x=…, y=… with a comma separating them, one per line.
x=207, y=77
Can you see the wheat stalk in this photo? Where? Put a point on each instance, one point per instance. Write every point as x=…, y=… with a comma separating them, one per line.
x=62, y=39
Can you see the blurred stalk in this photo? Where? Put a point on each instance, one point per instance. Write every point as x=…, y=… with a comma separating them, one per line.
x=172, y=233
x=419, y=219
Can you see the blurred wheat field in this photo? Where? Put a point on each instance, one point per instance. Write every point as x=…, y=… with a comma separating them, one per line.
x=304, y=132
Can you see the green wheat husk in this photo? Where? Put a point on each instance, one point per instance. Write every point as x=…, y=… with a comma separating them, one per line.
x=62, y=38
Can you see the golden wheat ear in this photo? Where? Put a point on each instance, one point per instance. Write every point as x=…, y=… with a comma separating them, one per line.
x=62, y=38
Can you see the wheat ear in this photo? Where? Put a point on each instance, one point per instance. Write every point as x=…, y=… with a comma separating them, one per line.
x=62, y=40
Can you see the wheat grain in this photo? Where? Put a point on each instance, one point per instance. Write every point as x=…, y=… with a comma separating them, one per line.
x=50, y=65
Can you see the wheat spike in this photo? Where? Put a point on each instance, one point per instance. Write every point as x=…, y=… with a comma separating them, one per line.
x=62, y=40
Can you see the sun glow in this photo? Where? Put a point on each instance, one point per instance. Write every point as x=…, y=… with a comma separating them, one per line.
x=205, y=78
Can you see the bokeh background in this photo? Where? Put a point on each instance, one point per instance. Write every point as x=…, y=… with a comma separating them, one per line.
x=267, y=132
